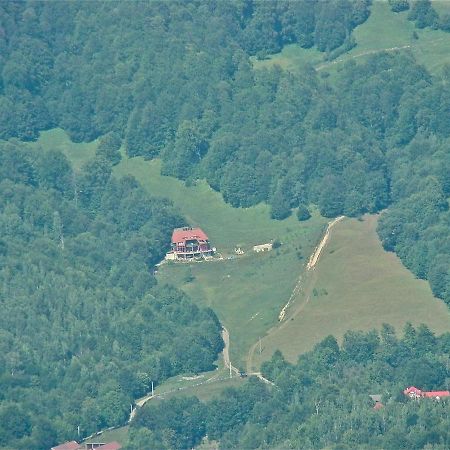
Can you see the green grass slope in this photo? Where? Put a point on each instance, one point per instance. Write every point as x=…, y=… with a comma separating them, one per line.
x=364, y=285
x=227, y=227
x=58, y=139
x=356, y=285
x=246, y=292
x=384, y=30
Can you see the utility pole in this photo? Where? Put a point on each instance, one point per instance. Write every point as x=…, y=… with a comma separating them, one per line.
x=152, y=390
x=230, y=370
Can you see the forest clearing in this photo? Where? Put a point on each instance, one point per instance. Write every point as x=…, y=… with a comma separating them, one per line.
x=259, y=284
x=382, y=32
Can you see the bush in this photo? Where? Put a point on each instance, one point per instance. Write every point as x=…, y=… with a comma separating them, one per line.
x=109, y=148
x=276, y=244
x=303, y=213
x=398, y=5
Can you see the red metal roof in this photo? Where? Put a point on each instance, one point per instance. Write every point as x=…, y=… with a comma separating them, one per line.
x=72, y=445
x=419, y=393
x=111, y=446
x=187, y=234
x=412, y=389
x=437, y=394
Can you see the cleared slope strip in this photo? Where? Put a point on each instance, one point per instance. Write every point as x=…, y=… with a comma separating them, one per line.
x=356, y=285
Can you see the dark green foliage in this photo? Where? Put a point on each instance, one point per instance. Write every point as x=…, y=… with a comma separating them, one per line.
x=78, y=247
x=84, y=329
x=303, y=213
x=417, y=225
x=55, y=172
x=176, y=424
x=109, y=148
x=280, y=205
x=423, y=14
x=98, y=80
x=399, y=5
x=444, y=22
x=323, y=400
x=326, y=24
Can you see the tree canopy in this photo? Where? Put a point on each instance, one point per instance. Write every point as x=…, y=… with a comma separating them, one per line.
x=85, y=328
x=323, y=401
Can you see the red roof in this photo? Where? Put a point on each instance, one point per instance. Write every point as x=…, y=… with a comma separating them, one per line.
x=111, y=446
x=412, y=390
x=188, y=234
x=430, y=394
x=437, y=394
x=378, y=405
x=72, y=445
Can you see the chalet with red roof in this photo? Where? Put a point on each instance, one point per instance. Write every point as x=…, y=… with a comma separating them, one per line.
x=73, y=445
x=413, y=392
x=189, y=243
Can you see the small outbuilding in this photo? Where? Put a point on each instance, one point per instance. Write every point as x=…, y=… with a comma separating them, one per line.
x=263, y=247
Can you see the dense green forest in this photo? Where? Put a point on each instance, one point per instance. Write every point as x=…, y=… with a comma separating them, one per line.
x=320, y=402
x=84, y=328
x=375, y=135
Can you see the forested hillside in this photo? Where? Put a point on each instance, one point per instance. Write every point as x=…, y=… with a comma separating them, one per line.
x=84, y=329
x=173, y=80
x=323, y=401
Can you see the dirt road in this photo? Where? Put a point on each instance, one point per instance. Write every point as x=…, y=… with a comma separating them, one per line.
x=305, y=284
x=318, y=251
x=226, y=351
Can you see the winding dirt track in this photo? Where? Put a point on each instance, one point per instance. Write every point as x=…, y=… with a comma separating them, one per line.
x=305, y=283
x=226, y=351
x=307, y=287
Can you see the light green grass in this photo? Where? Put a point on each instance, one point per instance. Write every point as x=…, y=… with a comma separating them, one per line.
x=441, y=6
x=246, y=292
x=291, y=58
x=207, y=391
x=226, y=226
x=120, y=435
x=384, y=30
x=365, y=287
x=190, y=381
x=57, y=139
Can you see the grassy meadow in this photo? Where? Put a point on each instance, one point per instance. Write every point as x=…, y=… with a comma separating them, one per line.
x=383, y=30
x=119, y=434
x=247, y=292
x=57, y=139
x=356, y=285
